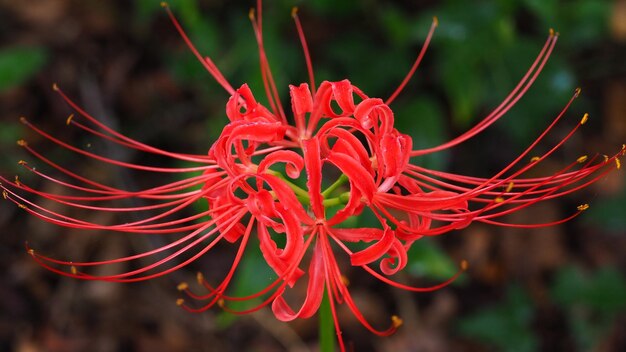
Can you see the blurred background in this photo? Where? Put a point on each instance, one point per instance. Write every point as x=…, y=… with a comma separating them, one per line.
x=553, y=289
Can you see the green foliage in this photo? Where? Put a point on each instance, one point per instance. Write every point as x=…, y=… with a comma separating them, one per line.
x=591, y=302
x=505, y=325
x=18, y=64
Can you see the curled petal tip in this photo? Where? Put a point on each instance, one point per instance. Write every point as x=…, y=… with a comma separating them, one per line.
x=182, y=286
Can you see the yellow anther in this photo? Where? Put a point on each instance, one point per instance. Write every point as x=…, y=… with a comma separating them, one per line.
x=17, y=180
x=164, y=4
x=182, y=286
x=345, y=280
x=22, y=162
x=73, y=270
x=577, y=91
x=583, y=207
x=498, y=200
x=21, y=206
x=551, y=32
x=509, y=187
x=251, y=14
x=22, y=143
x=55, y=87
x=435, y=21
x=606, y=158
x=464, y=265
x=534, y=158
x=69, y=119
x=24, y=120
x=584, y=119
x=294, y=11
x=396, y=321
x=221, y=303
x=200, y=278
x=31, y=251
x=618, y=163
x=180, y=302
x=5, y=194
x=581, y=159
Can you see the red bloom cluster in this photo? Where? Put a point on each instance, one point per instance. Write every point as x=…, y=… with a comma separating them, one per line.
x=253, y=182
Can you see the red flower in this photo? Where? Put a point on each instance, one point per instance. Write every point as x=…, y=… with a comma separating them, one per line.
x=336, y=127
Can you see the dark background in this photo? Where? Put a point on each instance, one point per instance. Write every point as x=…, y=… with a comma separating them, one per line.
x=557, y=288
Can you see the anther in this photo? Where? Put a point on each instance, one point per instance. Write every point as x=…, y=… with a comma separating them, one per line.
x=55, y=87
x=69, y=119
x=200, y=278
x=294, y=11
x=21, y=206
x=584, y=119
x=618, y=163
x=73, y=270
x=164, y=4
x=498, y=200
x=534, y=159
x=509, y=188
x=182, y=286
x=583, y=207
x=435, y=21
x=17, y=180
x=551, y=31
x=251, y=14
x=396, y=321
x=31, y=251
x=581, y=159
x=180, y=302
x=606, y=158
x=22, y=162
x=23, y=120
x=5, y=194
x=221, y=303
x=464, y=265
x=344, y=280
x=577, y=92
x=22, y=143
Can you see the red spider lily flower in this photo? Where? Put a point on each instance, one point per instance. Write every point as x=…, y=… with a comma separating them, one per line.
x=333, y=127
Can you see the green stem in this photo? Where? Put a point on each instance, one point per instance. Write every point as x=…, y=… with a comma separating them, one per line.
x=340, y=181
x=301, y=193
x=327, y=326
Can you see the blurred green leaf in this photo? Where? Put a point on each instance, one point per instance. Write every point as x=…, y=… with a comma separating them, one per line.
x=505, y=325
x=426, y=259
x=18, y=64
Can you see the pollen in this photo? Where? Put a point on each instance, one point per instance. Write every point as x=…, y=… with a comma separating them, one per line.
x=583, y=207
x=584, y=119
x=69, y=119
x=534, y=159
x=581, y=159
x=396, y=321
x=180, y=302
